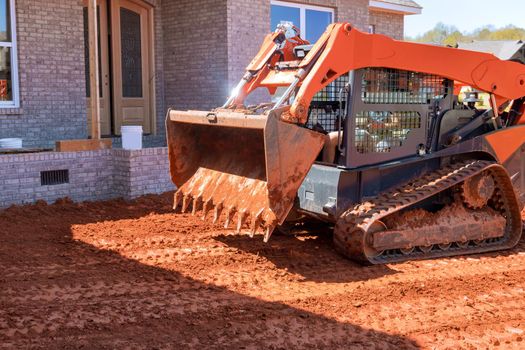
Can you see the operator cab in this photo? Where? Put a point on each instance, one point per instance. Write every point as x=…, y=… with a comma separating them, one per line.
x=393, y=115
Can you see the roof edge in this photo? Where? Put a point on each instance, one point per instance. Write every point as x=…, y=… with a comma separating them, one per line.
x=385, y=6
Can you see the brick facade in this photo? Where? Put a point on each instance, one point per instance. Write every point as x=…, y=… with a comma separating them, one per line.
x=195, y=53
x=94, y=175
x=391, y=24
x=201, y=49
x=246, y=33
x=50, y=60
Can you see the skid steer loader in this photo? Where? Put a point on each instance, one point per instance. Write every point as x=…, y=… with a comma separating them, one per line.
x=366, y=134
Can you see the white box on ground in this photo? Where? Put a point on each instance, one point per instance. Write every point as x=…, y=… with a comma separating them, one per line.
x=132, y=137
x=13, y=143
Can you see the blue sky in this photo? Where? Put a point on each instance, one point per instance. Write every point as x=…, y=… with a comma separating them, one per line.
x=467, y=15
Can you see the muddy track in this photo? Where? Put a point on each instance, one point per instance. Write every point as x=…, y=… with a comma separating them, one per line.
x=134, y=275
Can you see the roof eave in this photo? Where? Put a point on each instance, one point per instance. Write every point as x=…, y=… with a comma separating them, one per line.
x=394, y=8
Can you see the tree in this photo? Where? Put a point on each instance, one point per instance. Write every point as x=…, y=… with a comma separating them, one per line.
x=443, y=34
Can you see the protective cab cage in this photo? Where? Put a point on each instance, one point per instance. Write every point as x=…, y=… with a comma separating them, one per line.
x=391, y=112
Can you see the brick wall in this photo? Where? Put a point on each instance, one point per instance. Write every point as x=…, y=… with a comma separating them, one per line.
x=246, y=32
x=95, y=175
x=52, y=74
x=208, y=44
x=201, y=50
x=195, y=53
x=52, y=89
x=390, y=24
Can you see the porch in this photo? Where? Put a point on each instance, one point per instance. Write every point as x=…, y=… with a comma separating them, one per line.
x=92, y=45
x=83, y=176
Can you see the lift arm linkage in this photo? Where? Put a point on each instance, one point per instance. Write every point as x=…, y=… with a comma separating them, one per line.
x=343, y=48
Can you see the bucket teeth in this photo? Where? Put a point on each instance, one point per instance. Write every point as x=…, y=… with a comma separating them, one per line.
x=268, y=233
x=197, y=202
x=229, y=217
x=217, y=213
x=256, y=222
x=206, y=209
x=177, y=199
x=253, y=231
x=186, y=203
x=243, y=199
x=241, y=220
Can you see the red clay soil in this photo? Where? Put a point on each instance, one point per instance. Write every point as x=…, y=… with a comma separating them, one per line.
x=135, y=275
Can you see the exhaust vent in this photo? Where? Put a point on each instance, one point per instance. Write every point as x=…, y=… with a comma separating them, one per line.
x=54, y=177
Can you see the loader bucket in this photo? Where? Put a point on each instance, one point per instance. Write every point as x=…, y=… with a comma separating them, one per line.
x=247, y=166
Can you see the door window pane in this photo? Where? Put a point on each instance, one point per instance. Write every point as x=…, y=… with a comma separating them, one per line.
x=285, y=14
x=131, y=53
x=6, y=82
x=316, y=23
x=5, y=23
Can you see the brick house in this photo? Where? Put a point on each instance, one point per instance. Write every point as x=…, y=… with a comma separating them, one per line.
x=154, y=54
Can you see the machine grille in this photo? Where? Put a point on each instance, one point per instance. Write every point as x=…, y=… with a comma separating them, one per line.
x=392, y=86
x=324, y=109
x=382, y=131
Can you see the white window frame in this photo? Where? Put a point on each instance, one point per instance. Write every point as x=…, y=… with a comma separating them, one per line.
x=15, y=103
x=302, y=12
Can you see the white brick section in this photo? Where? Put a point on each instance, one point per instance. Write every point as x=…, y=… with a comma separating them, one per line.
x=93, y=175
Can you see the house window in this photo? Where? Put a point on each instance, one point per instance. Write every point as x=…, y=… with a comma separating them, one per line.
x=312, y=20
x=8, y=60
x=372, y=29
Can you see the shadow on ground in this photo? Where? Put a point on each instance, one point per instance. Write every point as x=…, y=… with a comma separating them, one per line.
x=60, y=292
x=304, y=254
x=299, y=253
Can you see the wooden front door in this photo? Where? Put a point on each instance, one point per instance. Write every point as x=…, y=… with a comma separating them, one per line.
x=126, y=77
x=103, y=49
x=130, y=27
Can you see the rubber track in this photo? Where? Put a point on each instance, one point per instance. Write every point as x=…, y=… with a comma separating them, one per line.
x=350, y=234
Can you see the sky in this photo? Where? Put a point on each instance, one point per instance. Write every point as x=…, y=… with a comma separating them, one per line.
x=466, y=15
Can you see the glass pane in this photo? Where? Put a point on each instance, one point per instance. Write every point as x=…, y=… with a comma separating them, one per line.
x=131, y=53
x=6, y=84
x=285, y=14
x=316, y=23
x=86, y=53
x=5, y=22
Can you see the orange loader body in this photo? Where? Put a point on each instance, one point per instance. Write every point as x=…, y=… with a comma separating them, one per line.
x=247, y=163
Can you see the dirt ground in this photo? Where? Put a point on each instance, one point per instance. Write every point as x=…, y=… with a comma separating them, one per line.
x=135, y=275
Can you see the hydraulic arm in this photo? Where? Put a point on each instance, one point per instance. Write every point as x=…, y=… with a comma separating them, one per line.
x=343, y=48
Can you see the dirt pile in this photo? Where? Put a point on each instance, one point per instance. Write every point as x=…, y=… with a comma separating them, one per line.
x=135, y=275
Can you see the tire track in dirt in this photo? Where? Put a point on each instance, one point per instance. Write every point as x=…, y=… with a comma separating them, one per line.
x=118, y=274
